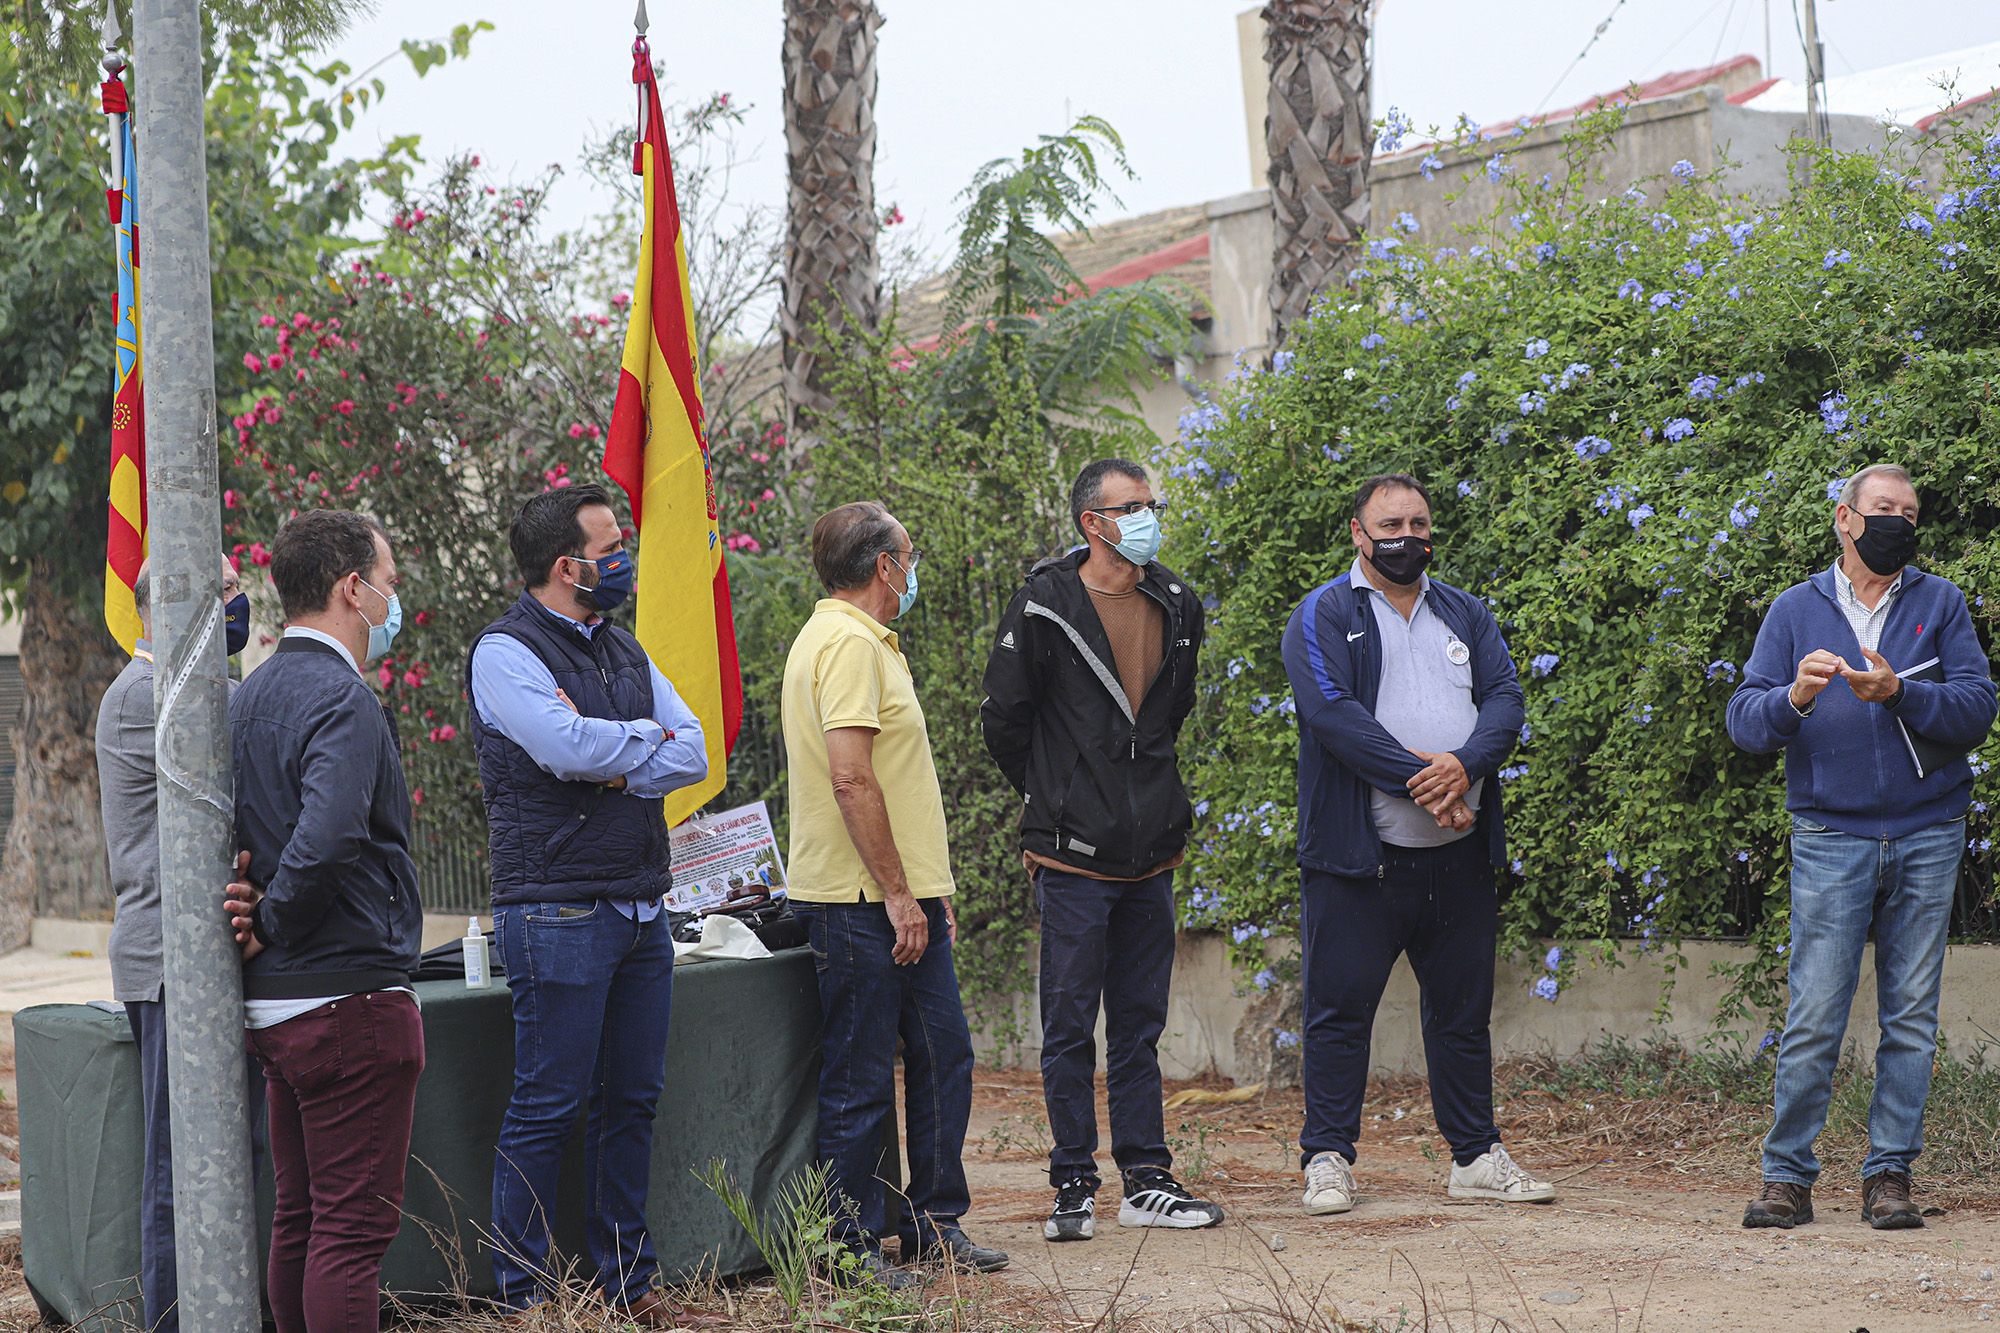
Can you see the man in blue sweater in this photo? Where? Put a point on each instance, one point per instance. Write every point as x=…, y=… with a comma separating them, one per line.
x=1408, y=704
x=1871, y=680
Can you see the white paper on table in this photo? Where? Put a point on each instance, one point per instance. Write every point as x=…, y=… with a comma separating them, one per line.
x=721, y=937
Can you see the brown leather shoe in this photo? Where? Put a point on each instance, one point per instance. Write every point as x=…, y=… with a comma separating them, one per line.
x=1886, y=1203
x=654, y=1310
x=1781, y=1204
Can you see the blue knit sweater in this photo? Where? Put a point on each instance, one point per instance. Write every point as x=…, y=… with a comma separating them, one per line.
x=1847, y=765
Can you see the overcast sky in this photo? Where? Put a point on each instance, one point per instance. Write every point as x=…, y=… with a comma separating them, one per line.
x=963, y=81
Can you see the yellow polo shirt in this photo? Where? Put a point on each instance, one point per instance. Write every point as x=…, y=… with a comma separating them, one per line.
x=846, y=670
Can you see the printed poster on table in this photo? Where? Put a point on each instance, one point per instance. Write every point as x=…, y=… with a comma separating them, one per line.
x=718, y=854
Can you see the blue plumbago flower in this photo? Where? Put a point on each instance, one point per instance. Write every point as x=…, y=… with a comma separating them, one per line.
x=1543, y=663
x=1554, y=959
x=1444, y=253
x=1285, y=1041
x=1497, y=167
x=1634, y=194
x=1515, y=866
x=1722, y=667
x=1259, y=704
x=1739, y=233
x=1745, y=381
x=1383, y=247
x=1592, y=444
x=1743, y=856
x=1405, y=222
x=1478, y=252
x=1612, y=497
x=1643, y=715
x=1371, y=340
x=1467, y=489
x=1533, y=401
x=1684, y=169
x=1734, y=293
x=1833, y=488
x=1467, y=380
x=1536, y=347
x=1770, y=1039
x=1917, y=223
x=1201, y=900
x=1236, y=665
x=1742, y=514
x=1332, y=453
x=1661, y=300
x=1703, y=386
x=1201, y=809
x=1264, y=979
x=1833, y=411
x=1547, y=250
x=1611, y=859
x=1948, y=255
x=1665, y=222
x=1835, y=258
x=1281, y=362
x=1286, y=707
x=1503, y=433
x=1547, y=989
x=1700, y=236
x=1513, y=772
x=1631, y=290
x=1949, y=205
x=1451, y=404
x=1527, y=733
x=1395, y=125
x=1430, y=165
x=1572, y=372
x=1638, y=514
x=1692, y=269
x=1678, y=428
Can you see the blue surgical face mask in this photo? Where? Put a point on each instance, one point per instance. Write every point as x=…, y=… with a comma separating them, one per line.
x=236, y=624
x=907, y=598
x=382, y=635
x=1139, y=535
x=614, y=580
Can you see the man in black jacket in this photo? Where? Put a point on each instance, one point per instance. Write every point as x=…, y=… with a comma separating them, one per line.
x=1086, y=689
x=325, y=908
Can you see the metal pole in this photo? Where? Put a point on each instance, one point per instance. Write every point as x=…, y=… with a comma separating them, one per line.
x=1816, y=122
x=1767, y=41
x=214, y=1214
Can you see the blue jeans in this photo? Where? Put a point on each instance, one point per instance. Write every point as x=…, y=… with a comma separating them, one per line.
x=592, y=989
x=1841, y=885
x=1108, y=944
x=866, y=1002
x=158, y=1282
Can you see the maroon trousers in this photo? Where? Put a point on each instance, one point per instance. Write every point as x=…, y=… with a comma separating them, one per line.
x=342, y=1080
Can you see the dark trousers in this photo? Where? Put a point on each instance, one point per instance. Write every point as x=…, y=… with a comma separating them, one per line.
x=866, y=1002
x=1108, y=944
x=158, y=1284
x=341, y=1084
x=1438, y=906
x=592, y=991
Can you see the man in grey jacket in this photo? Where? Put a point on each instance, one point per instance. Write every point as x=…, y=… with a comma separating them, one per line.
x=125, y=776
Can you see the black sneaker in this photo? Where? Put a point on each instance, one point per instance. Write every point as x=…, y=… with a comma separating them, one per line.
x=1153, y=1198
x=1075, y=1215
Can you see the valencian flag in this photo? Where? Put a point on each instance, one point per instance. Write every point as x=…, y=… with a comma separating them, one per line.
x=657, y=449
x=125, y=540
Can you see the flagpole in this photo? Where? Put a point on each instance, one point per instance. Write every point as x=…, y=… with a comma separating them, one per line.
x=214, y=1234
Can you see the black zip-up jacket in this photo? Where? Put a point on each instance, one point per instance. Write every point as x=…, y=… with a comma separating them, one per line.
x=1100, y=786
x=323, y=810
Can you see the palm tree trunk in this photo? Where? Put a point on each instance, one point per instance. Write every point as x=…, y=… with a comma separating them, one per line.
x=832, y=267
x=1319, y=135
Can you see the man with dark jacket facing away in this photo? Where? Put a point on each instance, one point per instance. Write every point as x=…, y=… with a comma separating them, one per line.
x=325, y=908
x=1089, y=681
x=1407, y=704
x=1870, y=677
x=579, y=736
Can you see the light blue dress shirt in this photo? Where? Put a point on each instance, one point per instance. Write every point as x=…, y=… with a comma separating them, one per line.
x=516, y=696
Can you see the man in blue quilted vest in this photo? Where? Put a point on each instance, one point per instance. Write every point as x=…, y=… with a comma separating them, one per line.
x=579, y=736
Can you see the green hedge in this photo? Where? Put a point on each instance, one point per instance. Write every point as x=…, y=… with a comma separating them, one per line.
x=1632, y=412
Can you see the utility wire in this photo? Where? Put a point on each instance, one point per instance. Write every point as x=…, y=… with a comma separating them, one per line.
x=1595, y=34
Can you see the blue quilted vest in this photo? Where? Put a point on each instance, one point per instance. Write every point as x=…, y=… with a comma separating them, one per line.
x=556, y=841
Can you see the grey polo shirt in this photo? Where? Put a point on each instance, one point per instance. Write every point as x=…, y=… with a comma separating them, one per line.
x=1425, y=702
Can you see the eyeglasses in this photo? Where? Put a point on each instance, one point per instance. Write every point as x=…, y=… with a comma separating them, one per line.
x=915, y=556
x=1159, y=508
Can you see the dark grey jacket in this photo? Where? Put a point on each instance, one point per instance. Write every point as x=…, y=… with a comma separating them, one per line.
x=126, y=797
x=323, y=810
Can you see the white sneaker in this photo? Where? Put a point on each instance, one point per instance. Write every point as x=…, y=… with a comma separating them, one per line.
x=1498, y=1176
x=1329, y=1185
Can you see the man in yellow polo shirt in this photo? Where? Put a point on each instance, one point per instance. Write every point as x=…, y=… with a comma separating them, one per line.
x=870, y=874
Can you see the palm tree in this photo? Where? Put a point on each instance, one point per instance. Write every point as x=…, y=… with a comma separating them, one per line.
x=1319, y=136
x=832, y=266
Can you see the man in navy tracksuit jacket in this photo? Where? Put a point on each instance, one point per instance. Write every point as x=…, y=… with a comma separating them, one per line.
x=1408, y=704
x=1870, y=678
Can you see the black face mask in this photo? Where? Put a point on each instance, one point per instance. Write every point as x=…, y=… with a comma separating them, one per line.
x=1402, y=560
x=1887, y=543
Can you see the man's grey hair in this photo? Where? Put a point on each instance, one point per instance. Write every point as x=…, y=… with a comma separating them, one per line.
x=847, y=541
x=1851, y=492
x=142, y=589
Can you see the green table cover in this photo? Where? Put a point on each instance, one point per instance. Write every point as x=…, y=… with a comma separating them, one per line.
x=742, y=1080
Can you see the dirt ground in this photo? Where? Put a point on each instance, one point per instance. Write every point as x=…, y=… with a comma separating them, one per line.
x=1633, y=1241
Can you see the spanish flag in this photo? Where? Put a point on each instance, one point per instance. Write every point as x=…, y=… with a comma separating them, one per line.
x=657, y=450
x=125, y=539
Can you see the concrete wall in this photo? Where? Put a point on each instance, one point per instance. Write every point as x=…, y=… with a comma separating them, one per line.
x=1207, y=1011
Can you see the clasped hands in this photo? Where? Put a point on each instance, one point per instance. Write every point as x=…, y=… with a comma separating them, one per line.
x=1440, y=789
x=1877, y=685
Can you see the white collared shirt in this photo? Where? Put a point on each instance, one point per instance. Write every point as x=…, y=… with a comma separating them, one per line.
x=1866, y=623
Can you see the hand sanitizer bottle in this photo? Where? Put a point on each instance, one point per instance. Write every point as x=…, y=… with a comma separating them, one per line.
x=478, y=971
